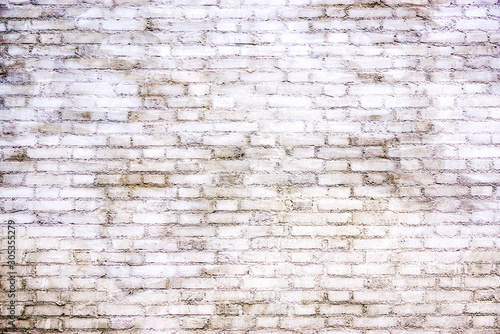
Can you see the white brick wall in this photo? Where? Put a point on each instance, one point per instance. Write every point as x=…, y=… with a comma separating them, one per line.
x=249, y=166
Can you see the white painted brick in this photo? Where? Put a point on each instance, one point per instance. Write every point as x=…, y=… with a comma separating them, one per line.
x=342, y=283
x=226, y=140
x=374, y=165
x=247, y=166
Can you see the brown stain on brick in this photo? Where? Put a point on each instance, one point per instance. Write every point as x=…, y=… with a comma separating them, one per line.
x=86, y=115
x=51, y=13
x=192, y=244
x=134, y=116
x=413, y=322
x=371, y=4
x=49, y=128
x=20, y=156
x=3, y=71
x=227, y=309
x=12, y=70
x=377, y=283
x=144, y=185
x=229, y=179
x=153, y=98
x=120, y=64
x=229, y=153
x=124, y=181
x=369, y=77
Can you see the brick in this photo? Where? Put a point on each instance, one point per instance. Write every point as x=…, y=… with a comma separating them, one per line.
x=482, y=282
x=226, y=140
x=380, y=165
x=159, y=323
x=377, y=322
x=448, y=295
x=375, y=244
x=110, y=309
x=297, y=322
x=342, y=283
x=370, y=38
x=483, y=308
x=49, y=257
x=338, y=179
x=447, y=321
x=347, y=204
x=84, y=323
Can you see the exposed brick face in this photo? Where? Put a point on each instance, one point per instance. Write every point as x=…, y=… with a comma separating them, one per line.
x=251, y=166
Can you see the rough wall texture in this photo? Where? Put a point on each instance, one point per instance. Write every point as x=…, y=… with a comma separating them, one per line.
x=251, y=166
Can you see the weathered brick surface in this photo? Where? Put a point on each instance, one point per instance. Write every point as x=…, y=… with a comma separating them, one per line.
x=250, y=166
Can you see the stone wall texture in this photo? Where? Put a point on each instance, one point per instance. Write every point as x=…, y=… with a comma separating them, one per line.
x=251, y=166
